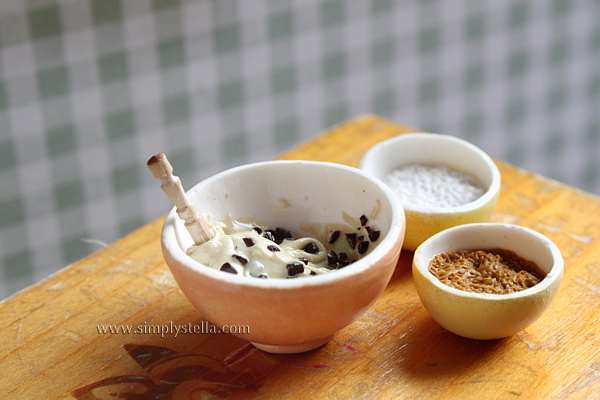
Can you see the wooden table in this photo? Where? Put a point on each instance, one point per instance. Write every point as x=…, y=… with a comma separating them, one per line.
x=52, y=346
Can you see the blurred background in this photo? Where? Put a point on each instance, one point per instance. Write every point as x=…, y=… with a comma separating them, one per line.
x=90, y=89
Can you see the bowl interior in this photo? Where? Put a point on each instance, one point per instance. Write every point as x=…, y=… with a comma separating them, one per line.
x=291, y=195
x=525, y=242
x=431, y=149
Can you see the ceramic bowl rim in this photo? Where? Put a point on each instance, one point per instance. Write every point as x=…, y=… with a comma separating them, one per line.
x=372, y=155
x=397, y=226
x=554, y=274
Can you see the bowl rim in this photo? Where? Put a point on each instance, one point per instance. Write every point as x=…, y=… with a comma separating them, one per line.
x=372, y=156
x=555, y=273
x=397, y=226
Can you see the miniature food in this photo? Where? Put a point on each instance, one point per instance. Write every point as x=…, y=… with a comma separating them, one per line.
x=242, y=247
x=496, y=271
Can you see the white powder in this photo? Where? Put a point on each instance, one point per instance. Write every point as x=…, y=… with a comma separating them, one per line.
x=433, y=186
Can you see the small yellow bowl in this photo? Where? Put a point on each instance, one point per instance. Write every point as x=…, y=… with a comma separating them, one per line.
x=480, y=315
x=436, y=149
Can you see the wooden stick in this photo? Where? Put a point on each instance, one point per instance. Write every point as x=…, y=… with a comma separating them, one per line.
x=199, y=229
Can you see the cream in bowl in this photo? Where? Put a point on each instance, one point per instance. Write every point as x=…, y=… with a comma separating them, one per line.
x=308, y=199
x=243, y=247
x=489, y=304
x=442, y=181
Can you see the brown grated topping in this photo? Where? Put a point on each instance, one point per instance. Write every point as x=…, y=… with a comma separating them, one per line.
x=496, y=271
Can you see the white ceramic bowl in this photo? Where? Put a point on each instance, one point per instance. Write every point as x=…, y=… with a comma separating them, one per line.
x=289, y=315
x=431, y=149
x=482, y=315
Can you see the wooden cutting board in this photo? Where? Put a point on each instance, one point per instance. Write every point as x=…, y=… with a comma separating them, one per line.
x=56, y=340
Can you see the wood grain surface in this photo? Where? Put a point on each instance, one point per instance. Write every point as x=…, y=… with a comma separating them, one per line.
x=52, y=345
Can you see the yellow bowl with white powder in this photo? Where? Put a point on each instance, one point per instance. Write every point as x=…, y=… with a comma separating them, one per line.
x=442, y=181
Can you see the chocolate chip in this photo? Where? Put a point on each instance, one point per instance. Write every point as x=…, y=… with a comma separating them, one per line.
x=363, y=220
x=331, y=257
x=228, y=268
x=343, y=259
x=313, y=273
x=334, y=236
x=268, y=235
x=374, y=235
x=279, y=234
x=363, y=247
x=351, y=240
x=304, y=260
x=311, y=248
x=273, y=248
x=249, y=242
x=243, y=260
x=257, y=229
x=288, y=236
x=263, y=276
x=294, y=268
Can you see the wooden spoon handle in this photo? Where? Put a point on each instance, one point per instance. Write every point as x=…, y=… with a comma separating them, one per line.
x=198, y=228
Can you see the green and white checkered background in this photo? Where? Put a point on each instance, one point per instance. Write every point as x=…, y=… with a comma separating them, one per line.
x=90, y=89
